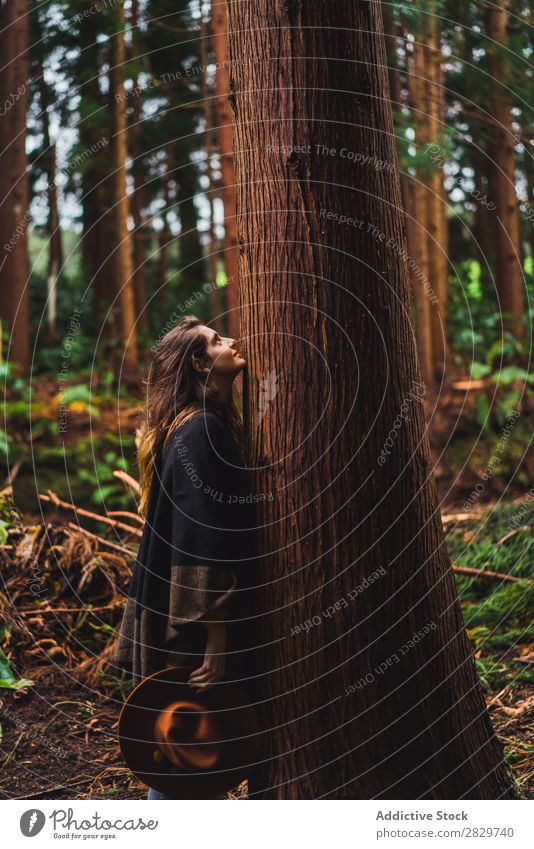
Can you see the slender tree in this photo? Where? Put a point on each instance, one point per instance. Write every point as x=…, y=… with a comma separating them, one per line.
x=124, y=285
x=138, y=181
x=418, y=230
x=94, y=151
x=164, y=235
x=14, y=300
x=368, y=687
x=55, y=248
x=172, y=42
x=434, y=103
x=508, y=270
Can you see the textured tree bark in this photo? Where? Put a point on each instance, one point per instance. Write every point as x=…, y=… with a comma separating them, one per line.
x=353, y=705
x=508, y=270
x=223, y=115
x=124, y=286
x=14, y=299
x=211, y=258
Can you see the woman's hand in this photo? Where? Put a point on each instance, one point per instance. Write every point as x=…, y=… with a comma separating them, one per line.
x=214, y=665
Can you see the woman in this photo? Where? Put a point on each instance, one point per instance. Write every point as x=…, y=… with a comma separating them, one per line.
x=190, y=600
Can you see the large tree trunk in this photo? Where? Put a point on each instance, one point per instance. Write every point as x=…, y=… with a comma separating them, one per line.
x=223, y=114
x=124, y=285
x=508, y=271
x=352, y=704
x=14, y=212
x=211, y=256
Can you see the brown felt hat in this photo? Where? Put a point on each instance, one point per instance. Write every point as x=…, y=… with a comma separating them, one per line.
x=188, y=745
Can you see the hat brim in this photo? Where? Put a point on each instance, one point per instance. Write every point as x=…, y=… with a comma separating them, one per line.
x=236, y=718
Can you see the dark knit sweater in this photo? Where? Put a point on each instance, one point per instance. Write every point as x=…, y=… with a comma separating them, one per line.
x=196, y=559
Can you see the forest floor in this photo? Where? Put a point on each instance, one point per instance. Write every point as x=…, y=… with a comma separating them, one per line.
x=58, y=738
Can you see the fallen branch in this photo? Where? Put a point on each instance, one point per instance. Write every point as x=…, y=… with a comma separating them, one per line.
x=13, y=750
x=103, y=541
x=38, y=610
x=126, y=513
x=472, y=515
x=65, y=505
x=126, y=478
x=513, y=533
x=486, y=573
x=7, y=488
x=39, y=793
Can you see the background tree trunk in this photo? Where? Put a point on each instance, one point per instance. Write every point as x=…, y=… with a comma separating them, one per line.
x=97, y=220
x=124, y=285
x=352, y=705
x=55, y=250
x=14, y=298
x=484, y=223
x=191, y=255
x=508, y=271
x=418, y=229
x=436, y=216
x=165, y=237
x=141, y=311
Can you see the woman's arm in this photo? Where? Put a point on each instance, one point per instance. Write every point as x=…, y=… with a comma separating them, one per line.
x=214, y=665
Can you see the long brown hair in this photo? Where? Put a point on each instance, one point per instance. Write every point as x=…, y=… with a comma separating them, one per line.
x=175, y=392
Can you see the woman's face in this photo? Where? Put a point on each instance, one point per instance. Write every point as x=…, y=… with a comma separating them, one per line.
x=225, y=359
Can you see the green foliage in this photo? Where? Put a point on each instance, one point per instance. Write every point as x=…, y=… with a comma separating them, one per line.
x=498, y=614
x=495, y=675
x=105, y=488
x=7, y=679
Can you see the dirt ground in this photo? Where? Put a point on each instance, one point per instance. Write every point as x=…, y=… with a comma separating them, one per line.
x=59, y=738
x=60, y=742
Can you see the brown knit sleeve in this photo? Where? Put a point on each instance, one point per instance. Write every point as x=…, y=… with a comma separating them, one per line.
x=200, y=593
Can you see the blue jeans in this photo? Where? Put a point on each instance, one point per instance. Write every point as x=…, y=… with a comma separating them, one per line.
x=155, y=794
